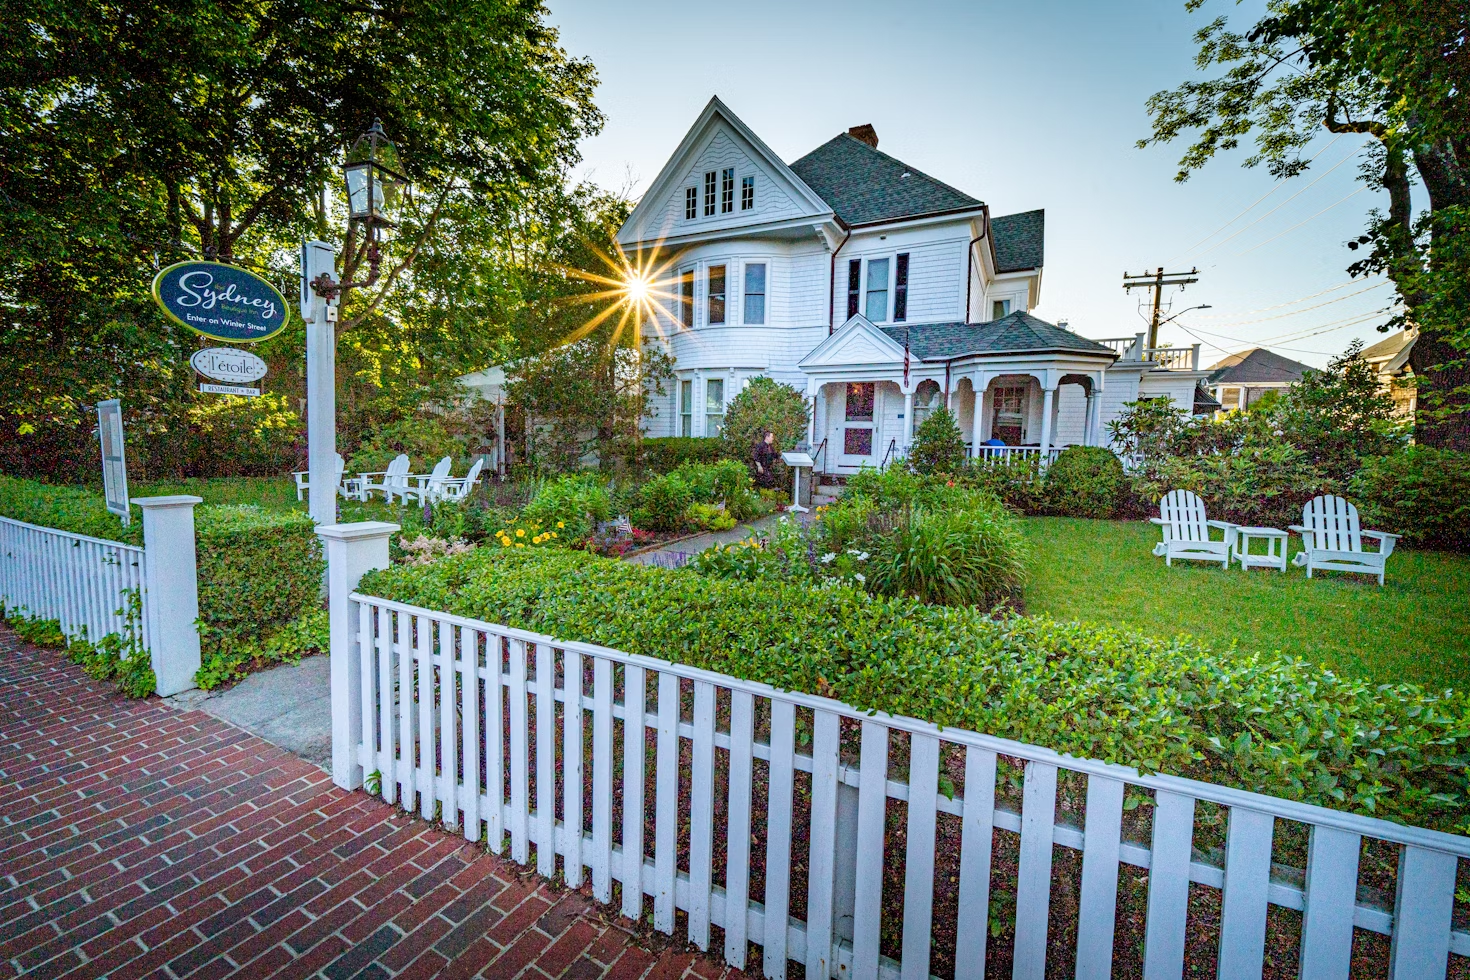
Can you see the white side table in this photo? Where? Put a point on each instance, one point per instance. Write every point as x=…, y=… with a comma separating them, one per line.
x=1275, y=556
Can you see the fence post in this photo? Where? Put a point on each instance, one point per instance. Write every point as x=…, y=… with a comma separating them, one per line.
x=352, y=551
x=171, y=584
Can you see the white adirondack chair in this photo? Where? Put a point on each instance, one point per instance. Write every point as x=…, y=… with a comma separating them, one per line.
x=1187, y=530
x=458, y=488
x=393, y=482
x=428, y=488
x=1333, y=542
x=303, y=480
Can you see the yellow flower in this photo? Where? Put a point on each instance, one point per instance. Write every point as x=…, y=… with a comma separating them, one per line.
x=561, y=524
x=520, y=532
x=554, y=534
x=505, y=542
x=519, y=545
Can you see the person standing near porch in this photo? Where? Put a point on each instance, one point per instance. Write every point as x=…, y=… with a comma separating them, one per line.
x=764, y=461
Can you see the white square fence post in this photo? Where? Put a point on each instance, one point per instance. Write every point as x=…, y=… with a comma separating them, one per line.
x=353, y=550
x=171, y=601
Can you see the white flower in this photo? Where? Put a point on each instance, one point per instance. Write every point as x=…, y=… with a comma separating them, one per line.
x=863, y=556
x=827, y=558
x=859, y=576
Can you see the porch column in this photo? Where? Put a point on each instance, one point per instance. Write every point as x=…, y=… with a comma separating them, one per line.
x=975, y=426
x=813, y=389
x=908, y=419
x=1047, y=400
x=1094, y=417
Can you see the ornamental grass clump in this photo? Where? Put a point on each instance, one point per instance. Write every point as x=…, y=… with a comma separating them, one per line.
x=1261, y=723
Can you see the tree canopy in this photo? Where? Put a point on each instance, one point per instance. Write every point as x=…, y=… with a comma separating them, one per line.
x=1397, y=71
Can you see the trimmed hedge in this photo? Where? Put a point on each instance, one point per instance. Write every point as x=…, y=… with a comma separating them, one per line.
x=666, y=454
x=259, y=570
x=1261, y=723
x=1420, y=492
x=1085, y=481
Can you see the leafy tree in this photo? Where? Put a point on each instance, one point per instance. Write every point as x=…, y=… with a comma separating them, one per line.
x=1398, y=72
x=765, y=405
x=938, y=445
x=1339, y=416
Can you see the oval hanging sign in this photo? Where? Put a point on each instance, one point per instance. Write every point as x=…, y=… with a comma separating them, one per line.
x=221, y=302
x=228, y=364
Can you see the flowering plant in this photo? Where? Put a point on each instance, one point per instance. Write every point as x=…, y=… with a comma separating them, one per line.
x=528, y=534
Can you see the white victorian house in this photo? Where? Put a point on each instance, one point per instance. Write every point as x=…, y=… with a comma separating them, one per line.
x=878, y=290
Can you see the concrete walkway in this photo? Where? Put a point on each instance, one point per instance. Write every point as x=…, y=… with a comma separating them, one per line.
x=289, y=705
x=141, y=840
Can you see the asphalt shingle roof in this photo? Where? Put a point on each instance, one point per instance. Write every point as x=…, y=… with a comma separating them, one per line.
x=1389, y=346
x=1020, y=240
x=1015, y=333
x=863, y=185
x=1256, y=366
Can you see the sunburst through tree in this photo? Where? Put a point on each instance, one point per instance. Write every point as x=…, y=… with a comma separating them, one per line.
x=629, y=291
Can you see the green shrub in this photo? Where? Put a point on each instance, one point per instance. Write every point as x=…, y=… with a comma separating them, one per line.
x=765, y=405
x=114, y=657
x=75, y=509
x=965, y=556
x=663, y=503
x=1261, y=723
x=1420, y=492
x=1085, y=481
x=664, y=455
x=1016, y=481
x=580, y=501
x=727, y=481
x=1261, y=483
x=938, y=446
x=710, y=517
x=424, y=440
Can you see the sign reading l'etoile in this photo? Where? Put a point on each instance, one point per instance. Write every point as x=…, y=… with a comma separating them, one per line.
x=228, y=364
x=221, y=302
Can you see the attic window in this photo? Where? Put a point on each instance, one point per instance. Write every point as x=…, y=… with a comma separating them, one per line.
x=691, y=203
x=1000, y=308
x=709, y=194
x=727, y=190
x=747, y=193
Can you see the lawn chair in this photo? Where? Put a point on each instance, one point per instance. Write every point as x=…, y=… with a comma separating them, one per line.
x=1333, y=542
x=393, y=481
x=427, y=489
x=303, y=480
x=1187, y=531
x=457, y=489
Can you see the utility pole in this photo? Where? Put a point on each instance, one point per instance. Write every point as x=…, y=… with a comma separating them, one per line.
x=1158, y=280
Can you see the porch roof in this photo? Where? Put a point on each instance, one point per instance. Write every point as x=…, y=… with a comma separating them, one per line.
x=1017, y=333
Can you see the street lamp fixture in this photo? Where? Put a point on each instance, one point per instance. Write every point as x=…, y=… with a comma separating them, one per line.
x=375, y=185
x=1202, y=306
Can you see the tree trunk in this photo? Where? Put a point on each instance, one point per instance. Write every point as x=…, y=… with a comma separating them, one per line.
x=1440, y=366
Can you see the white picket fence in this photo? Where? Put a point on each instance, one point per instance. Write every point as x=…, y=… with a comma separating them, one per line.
x=493, y=730
x=81, y=582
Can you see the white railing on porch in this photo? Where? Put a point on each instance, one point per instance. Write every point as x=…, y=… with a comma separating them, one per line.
x=81, y=582
x=1127, y=348
x=84, y=584
x=1018, y=454
x=570, y=749
x=1174, y=358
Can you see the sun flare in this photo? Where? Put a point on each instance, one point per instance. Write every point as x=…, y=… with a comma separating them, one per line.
x=630, y=291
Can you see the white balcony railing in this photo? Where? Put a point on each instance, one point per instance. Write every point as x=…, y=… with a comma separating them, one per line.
x=1174, y=358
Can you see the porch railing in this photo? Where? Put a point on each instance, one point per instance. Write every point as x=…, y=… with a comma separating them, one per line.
x=1174, y=358
x=635, y=774
x=1017, y=454
x=1127, y=348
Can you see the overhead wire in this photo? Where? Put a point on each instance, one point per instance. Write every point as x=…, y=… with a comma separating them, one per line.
x=1292, y=302
x=1304, y=309
x=1300, y=223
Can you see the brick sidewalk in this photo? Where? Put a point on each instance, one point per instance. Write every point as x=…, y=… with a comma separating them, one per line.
x=139, y=840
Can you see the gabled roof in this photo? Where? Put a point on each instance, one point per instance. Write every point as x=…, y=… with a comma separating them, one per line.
x=1257, y=366
x=1019, y=240
x=1392, y=350
x=1204, y=402
x=866, y=186
x=857, y=341
x=1017, y=333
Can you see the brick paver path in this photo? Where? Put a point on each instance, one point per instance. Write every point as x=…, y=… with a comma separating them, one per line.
x=139, y=840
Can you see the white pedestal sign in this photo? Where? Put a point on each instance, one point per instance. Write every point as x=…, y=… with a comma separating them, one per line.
x=796, y=461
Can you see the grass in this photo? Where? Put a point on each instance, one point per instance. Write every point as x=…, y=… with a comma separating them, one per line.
x=271, y=492
x=1415, y=628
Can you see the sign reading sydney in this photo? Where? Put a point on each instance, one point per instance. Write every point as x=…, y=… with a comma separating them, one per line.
x=222, y=302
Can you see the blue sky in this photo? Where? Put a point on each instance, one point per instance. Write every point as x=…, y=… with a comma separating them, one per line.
x=1024, y=105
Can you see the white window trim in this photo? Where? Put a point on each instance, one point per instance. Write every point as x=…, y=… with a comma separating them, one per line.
x=754, y=260
x=892, y=258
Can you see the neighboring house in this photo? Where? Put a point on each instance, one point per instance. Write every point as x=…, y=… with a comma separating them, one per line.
x=879, y=291
x=1390, y=359
x=1239, y=381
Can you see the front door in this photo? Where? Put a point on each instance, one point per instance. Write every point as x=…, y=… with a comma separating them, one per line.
x=859, y=426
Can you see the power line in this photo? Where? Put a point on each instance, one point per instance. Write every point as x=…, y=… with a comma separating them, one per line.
x=1300, y=223
x=1248, y=207
x=1278, y=207
x=1292, y=302
x=1304, y=309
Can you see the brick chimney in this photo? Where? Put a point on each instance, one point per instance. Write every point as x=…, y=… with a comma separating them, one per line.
x=865, y=134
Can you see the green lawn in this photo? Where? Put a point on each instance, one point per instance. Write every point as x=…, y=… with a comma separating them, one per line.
x=1416, y=628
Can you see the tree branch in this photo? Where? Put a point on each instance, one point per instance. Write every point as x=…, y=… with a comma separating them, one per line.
x=413, y=252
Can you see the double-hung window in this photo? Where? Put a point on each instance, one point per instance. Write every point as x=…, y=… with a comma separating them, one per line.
x=901, y=288
x=715, y=295
x=709, y=194
x=747, y=193
x=876, y=308
x=686, y=297
x=691, y=203
x=854, y=283
x=686, y=408
x=755, y=292
x=714, y=406
x=727, y=190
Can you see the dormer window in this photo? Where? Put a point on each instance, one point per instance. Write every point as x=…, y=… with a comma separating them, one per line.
x=747, y=193
x=691, y=203
x=727, y=190
x=1000, y=308
x=709, y=194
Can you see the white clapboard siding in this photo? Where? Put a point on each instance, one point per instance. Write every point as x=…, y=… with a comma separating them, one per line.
x=412, y=711
x=81, y=582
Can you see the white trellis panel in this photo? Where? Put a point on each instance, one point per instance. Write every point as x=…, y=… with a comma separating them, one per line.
x=429, y=736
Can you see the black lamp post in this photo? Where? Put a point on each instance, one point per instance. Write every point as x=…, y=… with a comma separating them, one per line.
x=375, y=185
